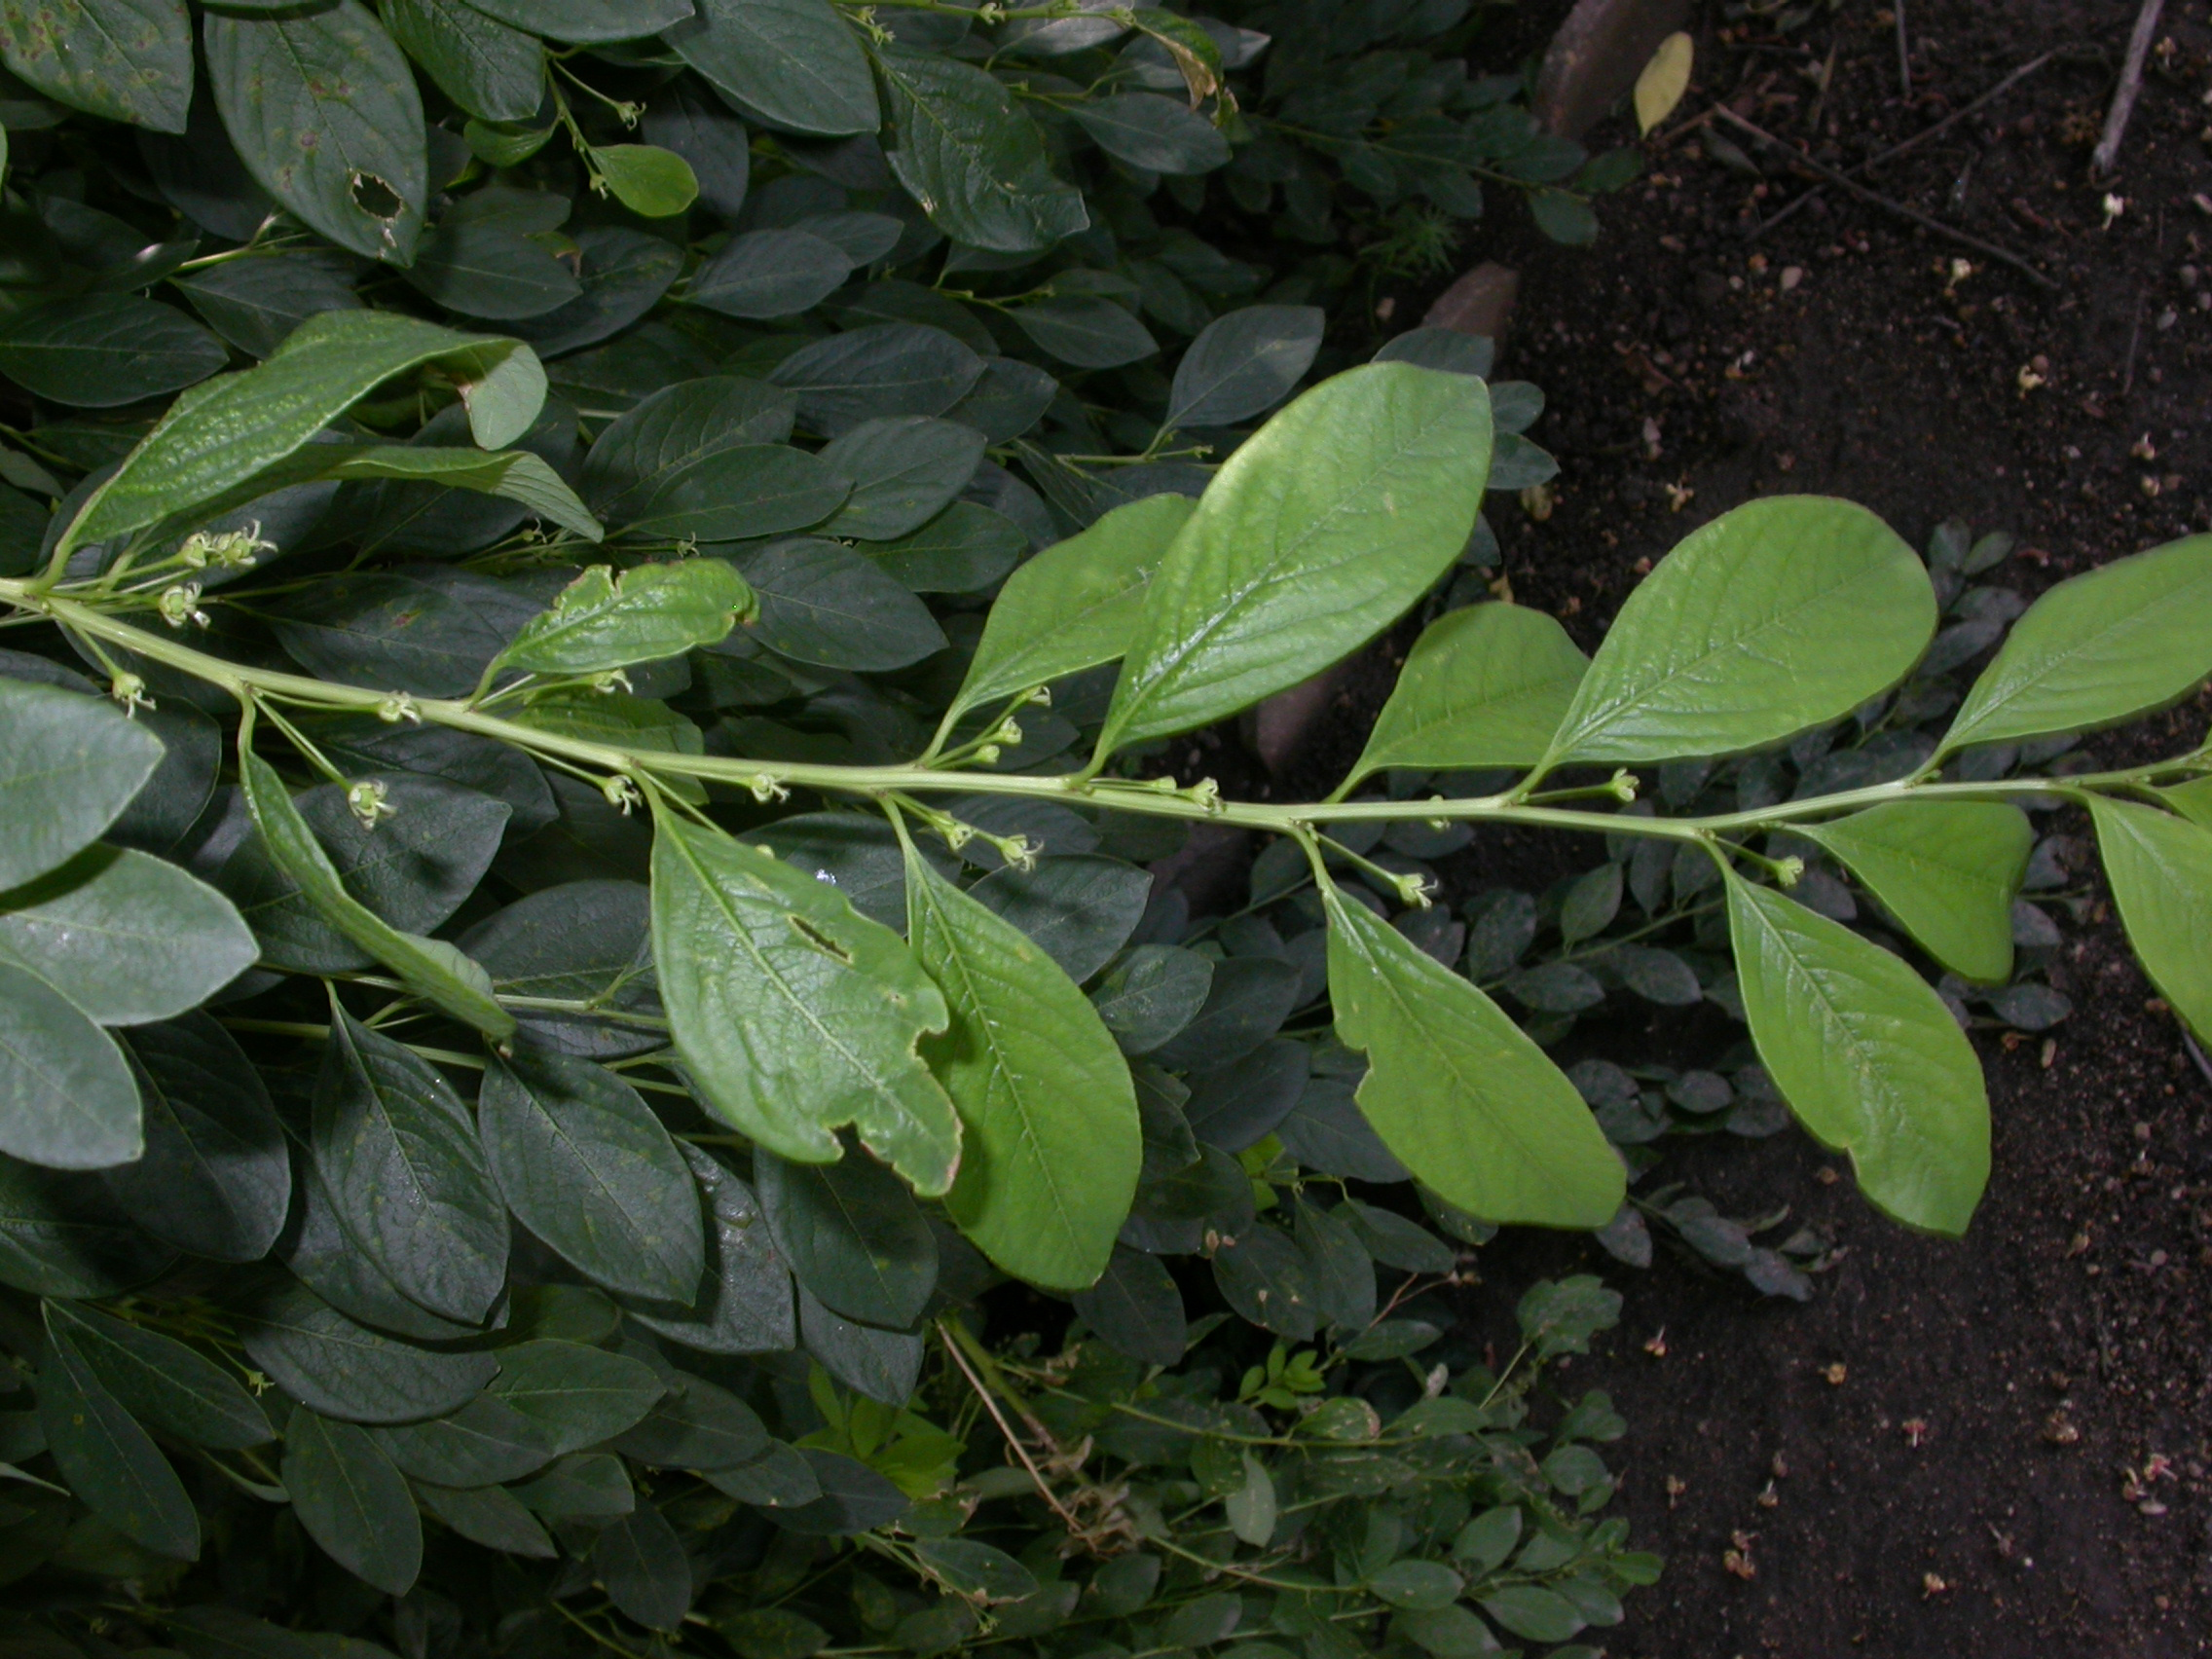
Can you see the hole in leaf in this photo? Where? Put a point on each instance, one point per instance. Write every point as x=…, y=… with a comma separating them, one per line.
x=820, y=940
x=374, y=198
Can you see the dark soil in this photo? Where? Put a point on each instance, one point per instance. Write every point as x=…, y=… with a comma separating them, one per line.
x=1944, y=1452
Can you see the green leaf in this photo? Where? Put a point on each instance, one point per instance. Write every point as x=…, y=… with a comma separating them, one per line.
x=216, y=1178
x=430, y=968
x=643, y=1566
x=883, y=1365
x=157, y=1379
x=485, y=1443
x=1050, y=1144
x=102, y=350
x=885, y=369
x=904, y=472
x=345, y=1370
x=61, y=1235
x=1532, y=1611
x=586, y=1167
x=624, y=273
x=588, y=20
x=1948, y=870
x=1866, y=1056
x=208, y=1630
x=1564, y=217
x=1242, y=364
x=1251, y=1509
x=770, y=274
x=1158, y=134
x=482, y=268
x=1322, y=528
x=351, y=1502
x=1457, y=1091
x=491, y=70
x=853, y=1235
x=2160, y=871
x=577, y=1395
x=1075, y=605
x=971, y=1569
x=744, y=1302
x=516, y=474
x=824, y=602
x=648, y=180
x=603, y=621
x=490, y=1515
x=794, y=62
x=407, y=1172
x=1136, y=1308
x=974, y=163
x=703, y=1427
x=965, y=549
x=235, y=428
x=110, y=1462
x=324, y=113
x=1483, y=687
x=127, y=60
x=1421, y=1585
x=702, y=130
x=67, y=1099
x=1078, y=908
x=1779, y=616
x=69, y=767
x=1084, y=330
x=254, y=304
x=127, y=938
x=1156, y=991
x=2131, y=636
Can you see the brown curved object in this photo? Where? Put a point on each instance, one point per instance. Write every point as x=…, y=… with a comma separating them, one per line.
x=1595, y=56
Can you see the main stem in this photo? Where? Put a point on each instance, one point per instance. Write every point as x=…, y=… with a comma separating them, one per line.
x=1158, y=797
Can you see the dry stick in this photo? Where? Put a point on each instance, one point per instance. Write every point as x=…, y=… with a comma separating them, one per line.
x=1904, y=56
x=2130, y=88
x=2197, y=1054
x=991, y=1405
x=1895, y=150
x=1875, y=198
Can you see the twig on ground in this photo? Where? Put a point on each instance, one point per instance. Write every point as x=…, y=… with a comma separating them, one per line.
x=1875, y=199
x=2130, y=88
x=1895, y=150
x=2197, y=1054
x=2134, y=340
x=1904, y=53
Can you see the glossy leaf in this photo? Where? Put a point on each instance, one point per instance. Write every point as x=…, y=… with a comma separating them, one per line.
x=1483, y=687
x=2160, y=871
x=1781, y=614
x=351, y=1502
x=602, y=621
x=127, y=60
x=342, y=1368
x=795, y=1014
x=2096, y=649
x=585, y=1165
x=430, y=968
x=1320, y=530
x=971, y=160
x=489, y=68
x=769, y=274
x=904, y=472
x=1243, y=364
x=1947, y=869
x=1457, y=1091
x=744, y=1301
x=577, y=1395
x=324, y=113
x=1050, y=1144
x=1158, y=134
x=1866, y=1056
x=794, y=62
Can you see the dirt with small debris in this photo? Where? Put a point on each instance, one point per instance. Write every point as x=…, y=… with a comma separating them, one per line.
x=2001, y=1447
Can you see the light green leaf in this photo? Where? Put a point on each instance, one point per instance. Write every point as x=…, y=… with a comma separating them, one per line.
x=110, y=1462
x=1050, y=1145
x=2192, y=801
x=587, y=1167
x=1459, y=1092
x=324, y=113
x=228, y=429
x=795, y=1014
x=1320, y=530
x=1866, y=1056
x=1251, y=1508
x=351, y=1502
x=794, y=62
x=1781, y=614
x=127, y=60
x=125, y=936
x=430, y=968
x=1483, y=686
x=1075, y=605
x=2098, y=648
x=603, y=621
x=69, y=767
x=1947, y=869
x=974, y=163
x=651, y=182
x=2160, y=871
x=67, y=1099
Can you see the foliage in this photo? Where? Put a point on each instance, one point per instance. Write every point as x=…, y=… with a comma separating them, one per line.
x=572, y=901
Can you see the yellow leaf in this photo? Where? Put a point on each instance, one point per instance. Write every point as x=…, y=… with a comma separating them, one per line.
x=1664, y=81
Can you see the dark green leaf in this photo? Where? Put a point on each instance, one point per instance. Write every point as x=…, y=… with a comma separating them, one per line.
x=971, y=1569
x=162, y=1382
x=852, y=1233
x=886, y=369
x=1243, y=364
x=1325, y=1131
x=706, y=136
x=883, y=1365
x=588, y=20
x=792, y=62
x=1237, y=1105
x=483, y=269
x=407, y=1172
x=972, y=161
x=624, y=273
x=110, y=1462
x=823, y=602
x=345, y=1370
x=1084, y=330
x=1080, y=909
x=1156, y=991
x=485, y=1443
x=855, y=1499
x=904, y=472
x=1421, y=1585
x=577, y=1395
x=487, y=1515
x=1158, y=134
x=591, y=1487
x=351, y=1502
x=62, y=1235
x=765, y=273
x=1136, y=1309
x=585, y=1165
x=323, y=110
x=640, y=1562
x=1531, y=1610
x=208, y=1630
x=965, y=549
x=1250, y=997
x=489, y=69
x=1262, y=1274
x=703, y=1427
x=127, y=60
x=67, y=1099
x=744, y=1305
x=106, y=349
